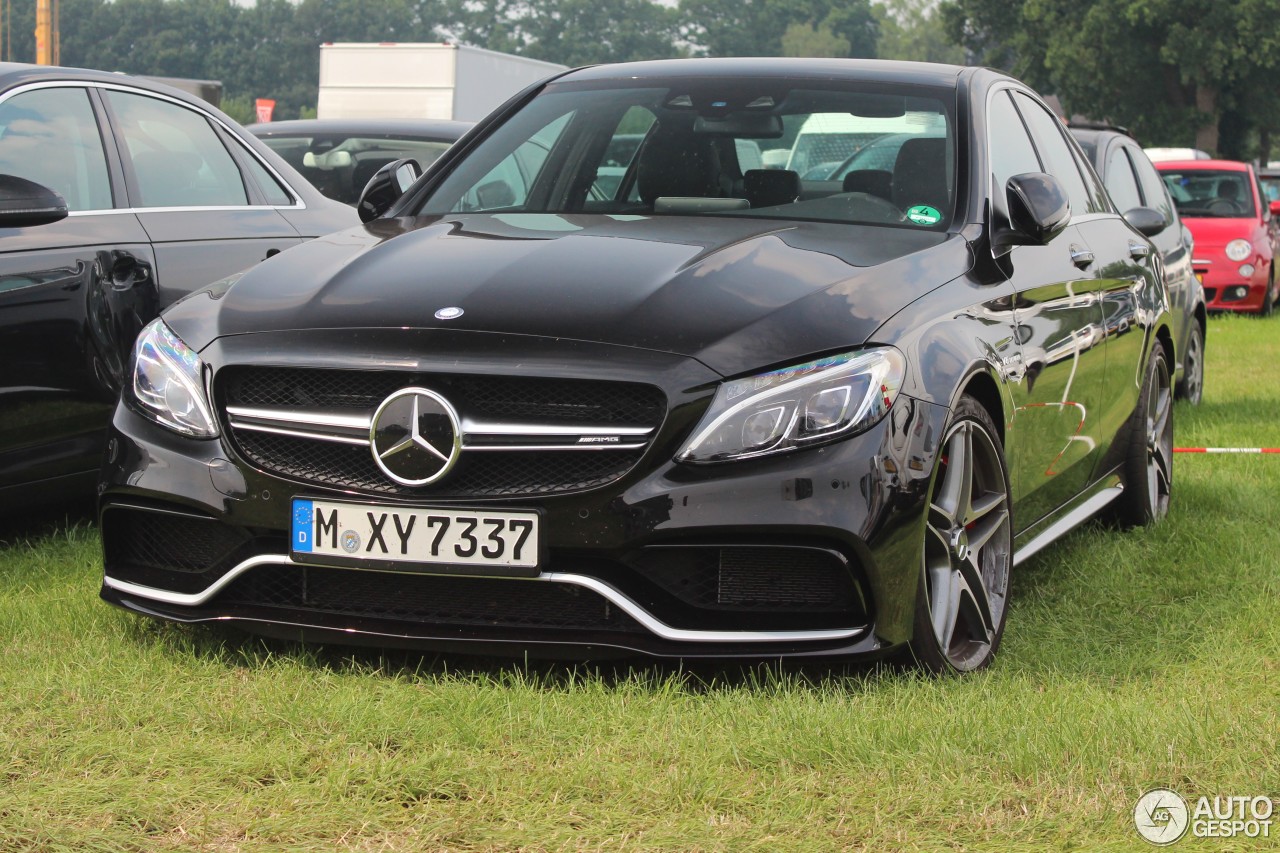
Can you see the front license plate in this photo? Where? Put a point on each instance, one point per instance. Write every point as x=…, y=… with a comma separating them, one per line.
x=467, y=541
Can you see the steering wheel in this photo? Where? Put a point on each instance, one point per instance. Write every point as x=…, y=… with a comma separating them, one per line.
x=1222, y=205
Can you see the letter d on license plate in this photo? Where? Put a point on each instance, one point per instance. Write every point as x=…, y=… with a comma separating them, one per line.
x=457, y=540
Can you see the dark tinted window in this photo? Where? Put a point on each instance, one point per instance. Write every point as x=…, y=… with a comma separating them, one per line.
x=1058, y=158
x=50, y=136
x=1120, y=181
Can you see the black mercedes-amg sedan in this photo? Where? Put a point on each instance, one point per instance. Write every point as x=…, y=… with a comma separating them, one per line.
x=701, y=408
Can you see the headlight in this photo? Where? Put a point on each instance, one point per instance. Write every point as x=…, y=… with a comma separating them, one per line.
x=800, y=406
x=1238, y=250
x=168, y=383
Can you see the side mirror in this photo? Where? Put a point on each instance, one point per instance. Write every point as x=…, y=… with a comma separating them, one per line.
x=24, y=203
x=1275, y=207
x=386, y=187
x=1146, y=221
x=1038, y=210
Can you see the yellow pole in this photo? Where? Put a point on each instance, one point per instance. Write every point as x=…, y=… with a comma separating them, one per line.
x=44, y=33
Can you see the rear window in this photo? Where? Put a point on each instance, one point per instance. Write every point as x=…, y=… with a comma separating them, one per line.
x=739, y=147
x=340, y=166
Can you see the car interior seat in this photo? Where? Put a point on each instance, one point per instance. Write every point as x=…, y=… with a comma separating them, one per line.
x=920, y=174
x=876, y=182
x=675, y=164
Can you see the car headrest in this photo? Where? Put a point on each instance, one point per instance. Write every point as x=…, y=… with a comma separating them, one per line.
x=768, y=187
x=920, y=174
x=875, y=182
x=676, y=164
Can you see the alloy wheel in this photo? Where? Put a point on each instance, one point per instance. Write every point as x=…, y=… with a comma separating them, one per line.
x=1159, y=441
x=1193, y=371
x=968, y=547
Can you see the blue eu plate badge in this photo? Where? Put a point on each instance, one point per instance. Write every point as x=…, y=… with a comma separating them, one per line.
x=301, y=525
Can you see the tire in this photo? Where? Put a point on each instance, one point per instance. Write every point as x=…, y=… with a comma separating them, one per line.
x=1269, y=298
x=1191, y=388
x=1148, y=462
x=963, y=593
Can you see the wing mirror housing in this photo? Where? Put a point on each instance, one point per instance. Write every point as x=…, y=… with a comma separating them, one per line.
x=1037, y=208
x=1146, y=221
x=1275, y=207
x=386, y=187
x=24, y=203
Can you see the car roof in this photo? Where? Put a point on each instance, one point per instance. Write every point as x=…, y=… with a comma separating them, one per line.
x=440, y=129
x=873, y=70
x=13, y=74
x=1206, y=165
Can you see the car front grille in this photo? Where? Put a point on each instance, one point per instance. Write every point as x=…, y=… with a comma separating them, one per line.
x=342, y=462
x=345, y=466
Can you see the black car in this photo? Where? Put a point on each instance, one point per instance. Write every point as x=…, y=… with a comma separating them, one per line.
x=166, y=194
x=1133, y=182
x=339, y=156
x=714, y=412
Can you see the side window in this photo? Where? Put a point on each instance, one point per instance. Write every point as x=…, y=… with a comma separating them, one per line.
x=1154, y=192
x=272, y=190
x=507, y=184
x=1121, y=183
x=177, y=158
x=1011, y=150
x=1058, y=159
x=50, y=136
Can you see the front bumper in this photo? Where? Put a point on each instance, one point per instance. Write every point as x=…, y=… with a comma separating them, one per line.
x=1226, y=290
x=825, y=541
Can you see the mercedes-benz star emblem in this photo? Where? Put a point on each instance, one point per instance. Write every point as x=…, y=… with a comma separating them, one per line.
x=416, y=436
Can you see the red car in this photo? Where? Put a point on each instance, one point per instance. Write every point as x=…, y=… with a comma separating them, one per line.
x=1222, y=203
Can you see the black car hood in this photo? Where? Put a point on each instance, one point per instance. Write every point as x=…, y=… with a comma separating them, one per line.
x=736, y=293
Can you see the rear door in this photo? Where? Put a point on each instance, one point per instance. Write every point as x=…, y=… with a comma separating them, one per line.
x=73, y=294
x=1058, y=309
x=208, y=212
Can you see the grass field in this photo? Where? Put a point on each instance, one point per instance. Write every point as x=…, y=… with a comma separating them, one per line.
x=1131, y=660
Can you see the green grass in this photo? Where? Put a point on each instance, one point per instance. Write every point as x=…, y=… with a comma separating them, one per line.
x=1131, y=660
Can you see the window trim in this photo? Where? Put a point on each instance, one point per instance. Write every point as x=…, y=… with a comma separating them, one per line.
x=299, y=202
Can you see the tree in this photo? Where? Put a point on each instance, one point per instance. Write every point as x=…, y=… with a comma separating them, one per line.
x=757, y=27
x=913, y=29
x=808, y=40
x=1171, y=70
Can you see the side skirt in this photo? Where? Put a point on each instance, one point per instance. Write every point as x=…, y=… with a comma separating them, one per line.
x=1083, y=508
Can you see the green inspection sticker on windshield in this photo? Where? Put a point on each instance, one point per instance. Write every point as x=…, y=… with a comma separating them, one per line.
x=923, y=214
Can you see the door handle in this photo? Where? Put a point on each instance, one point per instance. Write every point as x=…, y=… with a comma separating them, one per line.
x=1081, y=257
x=1138, y=251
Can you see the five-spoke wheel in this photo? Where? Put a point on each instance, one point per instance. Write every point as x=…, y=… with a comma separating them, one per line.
x=968, y=548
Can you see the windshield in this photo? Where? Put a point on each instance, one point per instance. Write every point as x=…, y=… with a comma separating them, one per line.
x=735, y=147
x=1210, y=193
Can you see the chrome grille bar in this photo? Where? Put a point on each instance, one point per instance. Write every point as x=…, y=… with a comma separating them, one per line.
x=348, y=428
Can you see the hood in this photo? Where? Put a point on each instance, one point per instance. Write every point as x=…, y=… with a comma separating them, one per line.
x=736, y=293
x=1217, y=232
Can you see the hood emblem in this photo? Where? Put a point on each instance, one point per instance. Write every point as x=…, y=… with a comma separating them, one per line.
x=451, y=313
x=415, y=437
